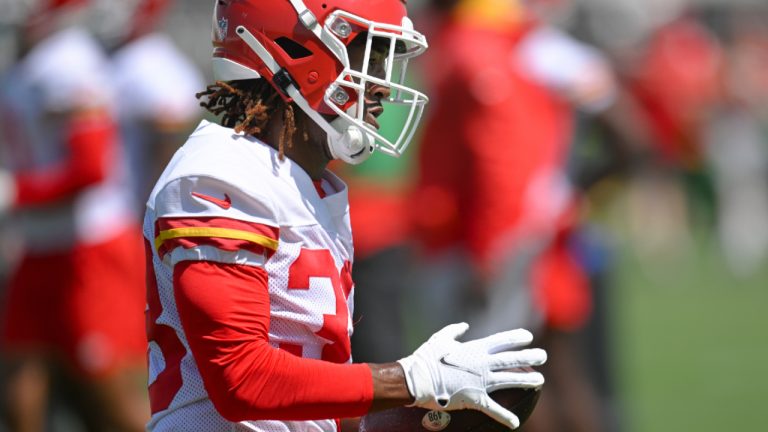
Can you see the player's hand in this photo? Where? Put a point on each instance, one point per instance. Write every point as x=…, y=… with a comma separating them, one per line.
x=445, y=374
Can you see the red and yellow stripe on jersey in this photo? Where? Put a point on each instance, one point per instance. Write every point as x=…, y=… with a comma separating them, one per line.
x=223, y=233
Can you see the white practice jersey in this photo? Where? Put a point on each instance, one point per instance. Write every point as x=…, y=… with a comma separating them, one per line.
x=225, y=186
x=153, y=80
x=65, y=72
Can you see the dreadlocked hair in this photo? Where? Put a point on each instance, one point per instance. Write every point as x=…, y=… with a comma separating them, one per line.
x=247, y=106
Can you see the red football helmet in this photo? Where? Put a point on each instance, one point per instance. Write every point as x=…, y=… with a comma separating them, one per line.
x=300, y=47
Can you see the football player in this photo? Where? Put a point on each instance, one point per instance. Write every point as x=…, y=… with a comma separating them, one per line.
x=74, y=302
x=249, y=243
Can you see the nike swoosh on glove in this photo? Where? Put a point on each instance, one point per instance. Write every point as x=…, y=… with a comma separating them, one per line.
x=445, y=374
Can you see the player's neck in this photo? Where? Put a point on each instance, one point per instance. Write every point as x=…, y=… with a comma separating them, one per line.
x=305, y=147
x=308, y=157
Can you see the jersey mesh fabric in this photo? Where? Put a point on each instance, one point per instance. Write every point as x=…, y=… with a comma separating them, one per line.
x=295, y=317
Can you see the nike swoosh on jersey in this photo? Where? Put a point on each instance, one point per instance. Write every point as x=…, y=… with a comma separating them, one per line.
x=225, y=203
x=455, y=366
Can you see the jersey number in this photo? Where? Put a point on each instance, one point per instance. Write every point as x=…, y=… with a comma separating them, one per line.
x=319, y=263
x=168, y=382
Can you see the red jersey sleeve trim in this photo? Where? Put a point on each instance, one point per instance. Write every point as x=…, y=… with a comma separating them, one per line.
x=225, y=312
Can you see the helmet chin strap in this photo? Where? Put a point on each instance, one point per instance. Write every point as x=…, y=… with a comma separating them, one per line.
x=353, y=146
x=346, y=142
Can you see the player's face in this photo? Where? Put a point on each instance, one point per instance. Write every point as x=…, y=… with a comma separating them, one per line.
x=376, y=67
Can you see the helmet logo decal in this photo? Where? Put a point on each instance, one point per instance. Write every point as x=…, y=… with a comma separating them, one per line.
x=222, y=29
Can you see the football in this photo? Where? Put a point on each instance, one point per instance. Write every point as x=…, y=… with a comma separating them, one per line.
x=412, y=419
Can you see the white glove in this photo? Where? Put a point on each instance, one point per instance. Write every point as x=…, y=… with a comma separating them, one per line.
x=445, y=374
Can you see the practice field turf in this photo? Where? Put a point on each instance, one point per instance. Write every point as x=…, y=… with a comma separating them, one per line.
x=692, y=344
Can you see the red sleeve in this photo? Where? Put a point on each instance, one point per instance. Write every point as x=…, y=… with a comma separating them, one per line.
x=225, y=312
x=91, y=139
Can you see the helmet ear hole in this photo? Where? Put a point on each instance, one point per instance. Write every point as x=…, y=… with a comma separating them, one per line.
x=292, y=48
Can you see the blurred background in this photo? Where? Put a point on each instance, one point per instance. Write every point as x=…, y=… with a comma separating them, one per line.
x=595, y=170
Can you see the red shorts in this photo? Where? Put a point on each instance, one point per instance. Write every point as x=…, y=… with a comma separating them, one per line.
x=86, y=305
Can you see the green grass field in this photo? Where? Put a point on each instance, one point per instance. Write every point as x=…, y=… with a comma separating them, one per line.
x=692, y=344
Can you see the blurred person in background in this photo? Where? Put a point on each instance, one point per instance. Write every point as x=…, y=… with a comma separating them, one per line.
x=72, y=317
x=674, y=78
x=575, y=302
x=700, y=88
x=155, y=84
x=736, y=141
x=493, y=207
